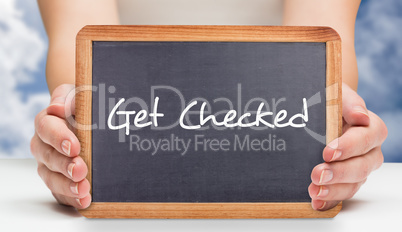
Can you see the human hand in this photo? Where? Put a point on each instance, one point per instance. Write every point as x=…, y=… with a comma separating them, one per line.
x=350, y=158
x=56, y=149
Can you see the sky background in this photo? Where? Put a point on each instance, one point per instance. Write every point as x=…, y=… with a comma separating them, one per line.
x=23, y=90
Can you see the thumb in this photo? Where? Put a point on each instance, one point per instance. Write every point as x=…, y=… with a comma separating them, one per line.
x=354, y=109
x=62, y=102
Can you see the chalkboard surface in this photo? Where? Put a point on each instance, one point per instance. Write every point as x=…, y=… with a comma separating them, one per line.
x=205, y=121
x=136, y=170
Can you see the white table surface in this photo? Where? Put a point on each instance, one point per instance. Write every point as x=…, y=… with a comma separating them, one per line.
x=27, y=205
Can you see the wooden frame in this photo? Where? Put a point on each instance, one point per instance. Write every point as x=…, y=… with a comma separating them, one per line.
x=205, y=33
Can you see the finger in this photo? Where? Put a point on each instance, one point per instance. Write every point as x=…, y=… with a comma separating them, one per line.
x=353, y=107
x=352, y=170
x=73, y=168
x=334, y=192
x=323, y=205
x=78, y=203
x=54, y=131
x=58, y=183
x=62, y=103
x=356, y=141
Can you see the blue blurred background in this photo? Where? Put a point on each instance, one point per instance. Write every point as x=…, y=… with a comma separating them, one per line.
x=23, y=90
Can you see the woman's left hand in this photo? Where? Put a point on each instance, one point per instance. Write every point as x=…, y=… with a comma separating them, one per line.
x=350, y=158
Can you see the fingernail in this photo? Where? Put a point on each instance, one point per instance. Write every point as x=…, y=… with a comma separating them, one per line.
x=57, y=101
x=360, y=110
x=326, y=175
x=323, y=205
x=74, y=188
x=70, y=169
x=323, y=192
x=65, y=146
x=334, y=144
x=336, y=155
x=78, y=201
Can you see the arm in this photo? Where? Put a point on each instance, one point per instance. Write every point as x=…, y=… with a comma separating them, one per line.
x=338, y=14
x=54, y=145
x=353, y=156
x=62, y=20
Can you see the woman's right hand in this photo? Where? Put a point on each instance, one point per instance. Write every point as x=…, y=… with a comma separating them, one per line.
x=56, y=148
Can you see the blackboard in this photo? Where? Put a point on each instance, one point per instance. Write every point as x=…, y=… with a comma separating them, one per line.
x=215, y=163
